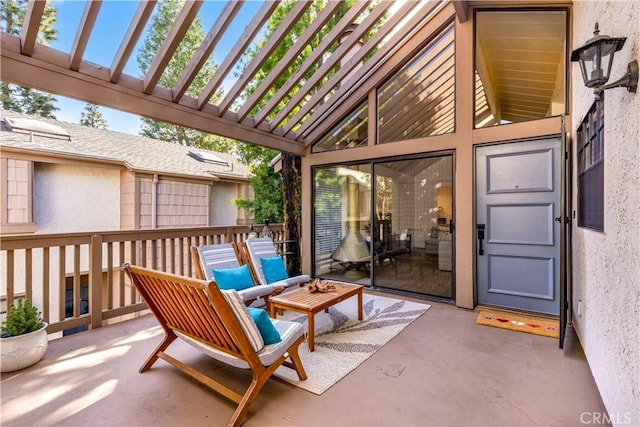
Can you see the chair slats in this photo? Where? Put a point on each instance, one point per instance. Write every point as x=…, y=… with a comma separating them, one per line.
x=197, y=309
x=206, y=258
x=253, y=249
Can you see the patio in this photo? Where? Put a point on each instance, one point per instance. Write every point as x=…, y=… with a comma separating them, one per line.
x=443, y=369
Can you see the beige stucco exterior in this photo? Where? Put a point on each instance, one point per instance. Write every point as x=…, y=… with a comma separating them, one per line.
x=606, y=265
x=75, y=198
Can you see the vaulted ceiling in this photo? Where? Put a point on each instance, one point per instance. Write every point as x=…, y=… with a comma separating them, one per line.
x=520, y=63
x=351, y=43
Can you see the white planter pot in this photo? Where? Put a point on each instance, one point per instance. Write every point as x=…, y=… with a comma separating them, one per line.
x=24, y=350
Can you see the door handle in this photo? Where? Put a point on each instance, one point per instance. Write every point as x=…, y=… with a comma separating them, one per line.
x=480, y=230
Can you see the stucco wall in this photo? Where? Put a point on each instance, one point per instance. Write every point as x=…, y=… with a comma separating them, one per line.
x=222, y=209
x=606, y=272
x=74, y=198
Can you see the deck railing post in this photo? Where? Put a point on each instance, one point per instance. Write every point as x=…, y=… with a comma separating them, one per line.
x=95, y=280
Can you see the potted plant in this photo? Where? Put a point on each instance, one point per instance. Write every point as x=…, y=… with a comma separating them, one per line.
x=23, y=338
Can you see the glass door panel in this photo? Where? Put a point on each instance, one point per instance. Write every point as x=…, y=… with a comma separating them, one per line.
x=412, y=233
x=341, y=222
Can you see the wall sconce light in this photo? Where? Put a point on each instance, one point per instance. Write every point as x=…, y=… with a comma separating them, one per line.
x=596, y=57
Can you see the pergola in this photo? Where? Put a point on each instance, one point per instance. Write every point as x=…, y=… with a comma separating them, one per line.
x=504, y=93
x=357, y=49
x=363, y=40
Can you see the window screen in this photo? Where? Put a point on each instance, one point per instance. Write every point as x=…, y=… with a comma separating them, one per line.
x=590, y=148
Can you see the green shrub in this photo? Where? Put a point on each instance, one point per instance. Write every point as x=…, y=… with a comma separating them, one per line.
x=22, y=318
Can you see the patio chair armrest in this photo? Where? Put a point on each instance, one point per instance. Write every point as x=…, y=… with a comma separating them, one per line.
x=291, y=281
x=255, y=292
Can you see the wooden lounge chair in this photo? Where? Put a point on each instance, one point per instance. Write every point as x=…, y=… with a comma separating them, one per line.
x=212, y=321
x=225, y=255
x=255, y=248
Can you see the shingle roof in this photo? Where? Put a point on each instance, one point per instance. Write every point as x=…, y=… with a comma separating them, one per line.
x=135, y=152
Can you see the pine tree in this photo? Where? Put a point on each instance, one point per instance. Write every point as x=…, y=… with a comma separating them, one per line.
x=19, y=98
x=92, y=116
x=166, y=13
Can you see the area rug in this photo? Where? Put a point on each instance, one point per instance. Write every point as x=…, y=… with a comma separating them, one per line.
x=342, y=342
x=547, y=328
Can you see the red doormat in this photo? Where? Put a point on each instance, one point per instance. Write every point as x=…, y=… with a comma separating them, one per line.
x=548, y=328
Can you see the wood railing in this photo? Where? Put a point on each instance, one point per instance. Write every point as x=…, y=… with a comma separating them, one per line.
x=75, y=279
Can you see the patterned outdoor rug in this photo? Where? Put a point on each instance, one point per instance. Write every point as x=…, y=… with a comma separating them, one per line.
x=342, y=342
x=548, y=328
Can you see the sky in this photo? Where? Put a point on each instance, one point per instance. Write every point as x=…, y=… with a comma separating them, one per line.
x=111, y=25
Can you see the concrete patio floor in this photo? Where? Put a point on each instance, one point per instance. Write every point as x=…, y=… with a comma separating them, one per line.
x=442, y=370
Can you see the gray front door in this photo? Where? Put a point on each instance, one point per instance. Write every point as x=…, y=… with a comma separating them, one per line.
x=517, y=237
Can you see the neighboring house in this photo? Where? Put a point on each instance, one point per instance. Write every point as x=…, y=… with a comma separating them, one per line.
x=61, y=177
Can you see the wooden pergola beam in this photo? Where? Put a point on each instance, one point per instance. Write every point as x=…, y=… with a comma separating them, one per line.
x=85, y=27
x=140, y=18
x=311, y=31
x=165, y=53
x=356, y=60
x=237, y=51
x=275, y=39
x=31, y=25
x=47, y=70
x=345, y=46
x=312, y=60
x=460, y=6
x=340, y=103
x=209, y=43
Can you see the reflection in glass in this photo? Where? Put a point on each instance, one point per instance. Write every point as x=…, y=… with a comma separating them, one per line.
x=349, y=133
x=342, y=211
x=414, y=210
x=419, y=100
x=405, y=241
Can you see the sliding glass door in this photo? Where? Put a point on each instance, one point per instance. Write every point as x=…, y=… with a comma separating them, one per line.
x=413, y=220
x=386, y=224
x=342, y=216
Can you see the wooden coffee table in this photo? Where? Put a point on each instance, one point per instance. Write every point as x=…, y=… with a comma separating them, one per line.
x=305, y=302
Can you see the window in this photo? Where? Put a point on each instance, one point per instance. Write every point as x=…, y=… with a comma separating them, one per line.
x=83, y=302
x=419, y=100
x=341, y=210
x=351, y=132
x=590, y=148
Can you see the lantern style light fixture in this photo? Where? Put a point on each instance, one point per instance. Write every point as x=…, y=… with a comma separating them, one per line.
x=596, y=58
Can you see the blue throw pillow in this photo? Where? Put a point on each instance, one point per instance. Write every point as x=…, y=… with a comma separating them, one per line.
x=273, y=269
x=237, y=278
x=270, y=334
